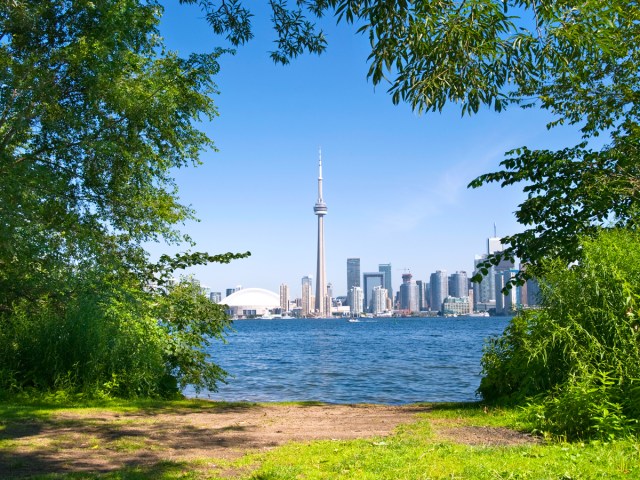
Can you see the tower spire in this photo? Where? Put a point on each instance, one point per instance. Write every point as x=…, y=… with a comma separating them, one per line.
x=320, y=209
x=319, y=175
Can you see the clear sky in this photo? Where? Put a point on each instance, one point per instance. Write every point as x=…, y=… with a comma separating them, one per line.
x=394, y=182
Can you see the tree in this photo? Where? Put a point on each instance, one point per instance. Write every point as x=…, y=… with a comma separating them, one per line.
x=579, y=60
x=94, y=116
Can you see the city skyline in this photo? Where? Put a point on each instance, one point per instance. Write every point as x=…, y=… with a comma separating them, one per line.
x=398, y=180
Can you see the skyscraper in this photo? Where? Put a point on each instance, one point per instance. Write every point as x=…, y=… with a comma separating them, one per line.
x=379, y=300
x=408, y=294
x=439, y=289
x=306, y=296
x=356, y=300
x=386, y=269
x=353, y=273
x=459, y=285
x=422, y=295
x=494, y=244
x=284, y=297
x=320, y=209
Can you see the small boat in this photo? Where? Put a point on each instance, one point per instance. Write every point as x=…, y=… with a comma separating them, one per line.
x=478, y=314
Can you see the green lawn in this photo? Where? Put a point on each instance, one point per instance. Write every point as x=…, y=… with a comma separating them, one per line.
x=413, y=451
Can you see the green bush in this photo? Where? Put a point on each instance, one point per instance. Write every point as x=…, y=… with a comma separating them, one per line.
x=576, y=361
x=111, y=339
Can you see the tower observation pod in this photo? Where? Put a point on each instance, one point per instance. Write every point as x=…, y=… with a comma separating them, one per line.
x=320, y=209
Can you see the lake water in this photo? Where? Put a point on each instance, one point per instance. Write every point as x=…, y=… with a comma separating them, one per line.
x=388, y=361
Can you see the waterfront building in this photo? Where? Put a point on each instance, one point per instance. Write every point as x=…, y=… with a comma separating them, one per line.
x=484, y=292
x=353, y=273
x=306, y=304
x=459, y=284
x=439, y=289
x=215, y=297
x=328, y=300
x=408, y=294
x=379, y=301
x=371, y=280
x=423, y=304
x=386, y=269
x=284, y=297
x=320, y=210
x=356, y=300
x=456, y=306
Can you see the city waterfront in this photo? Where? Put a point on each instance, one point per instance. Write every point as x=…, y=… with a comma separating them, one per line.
x=377, y=360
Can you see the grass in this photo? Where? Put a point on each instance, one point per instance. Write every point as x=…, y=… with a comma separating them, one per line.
x=413, y=452
x=416, y=454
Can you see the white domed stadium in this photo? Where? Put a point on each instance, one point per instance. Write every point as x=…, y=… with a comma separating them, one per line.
x=251, y=302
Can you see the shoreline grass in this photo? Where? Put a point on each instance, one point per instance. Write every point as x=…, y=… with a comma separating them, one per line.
x=416, y=450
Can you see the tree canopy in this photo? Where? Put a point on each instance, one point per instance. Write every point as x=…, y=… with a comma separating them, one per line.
x=94, y=116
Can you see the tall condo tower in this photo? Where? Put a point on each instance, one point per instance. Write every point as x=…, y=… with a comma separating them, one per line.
x=320, y=209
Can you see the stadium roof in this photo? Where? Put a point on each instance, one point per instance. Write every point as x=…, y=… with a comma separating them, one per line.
x=252, y=297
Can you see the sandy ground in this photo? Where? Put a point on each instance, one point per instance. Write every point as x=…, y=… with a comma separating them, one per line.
x=105, y=441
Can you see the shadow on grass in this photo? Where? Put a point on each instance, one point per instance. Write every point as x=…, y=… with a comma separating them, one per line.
x=70, y=442
x=23, y=466
x=76, y=451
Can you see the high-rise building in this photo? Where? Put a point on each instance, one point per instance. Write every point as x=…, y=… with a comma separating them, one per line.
x=386, y=269
x=494, y=245
x=509, y=303
x=284, y=297
x=353, y=273
x=422, y=295
x=356, y=300
x=320, y=209
x=379, y=300
x=371, y=280
x=328, y=300
x=439, y=284
x=484, y=292
x=215, y=297
x=306, y=296
x=459, y=284
x=408, y=294
x=230, y=291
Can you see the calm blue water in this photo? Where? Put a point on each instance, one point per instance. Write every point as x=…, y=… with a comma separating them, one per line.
x=388, y=361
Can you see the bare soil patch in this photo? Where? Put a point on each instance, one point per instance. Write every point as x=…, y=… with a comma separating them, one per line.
x=105, y=441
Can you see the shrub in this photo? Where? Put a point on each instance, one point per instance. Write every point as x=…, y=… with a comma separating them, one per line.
x=577, y=359
x=112, y=339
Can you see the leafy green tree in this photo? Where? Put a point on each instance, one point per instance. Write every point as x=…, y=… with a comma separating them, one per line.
x=94, y=116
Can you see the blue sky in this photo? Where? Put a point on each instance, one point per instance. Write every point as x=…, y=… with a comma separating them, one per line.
x=394, y=182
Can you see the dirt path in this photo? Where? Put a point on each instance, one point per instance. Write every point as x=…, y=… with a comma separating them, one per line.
x=105, y=441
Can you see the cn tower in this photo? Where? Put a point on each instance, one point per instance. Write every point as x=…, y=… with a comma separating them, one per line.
x=320, y=209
